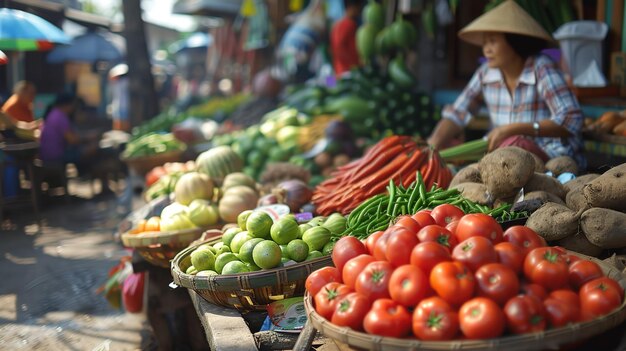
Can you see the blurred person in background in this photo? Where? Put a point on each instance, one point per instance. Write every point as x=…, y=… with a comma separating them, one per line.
x=343, y=38
x=20, y=105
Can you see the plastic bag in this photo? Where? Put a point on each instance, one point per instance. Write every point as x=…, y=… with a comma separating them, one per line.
x=132, y=292
x=112, y=288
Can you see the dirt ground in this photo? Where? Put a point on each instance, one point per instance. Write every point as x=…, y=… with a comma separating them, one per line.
x=50, y=274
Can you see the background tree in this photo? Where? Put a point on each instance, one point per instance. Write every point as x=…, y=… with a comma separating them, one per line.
x=143, y=98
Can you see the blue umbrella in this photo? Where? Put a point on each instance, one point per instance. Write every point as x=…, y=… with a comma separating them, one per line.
x=22, y=31
x=89, y=47
x=194, y=41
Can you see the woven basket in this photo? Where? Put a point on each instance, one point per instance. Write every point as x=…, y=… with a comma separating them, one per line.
x=246, y=291
x=549, y=339
x=143, y=165
x=159, y=248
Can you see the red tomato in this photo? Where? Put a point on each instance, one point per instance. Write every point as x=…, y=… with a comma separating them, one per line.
x=434, y=319
x=316, y=280
x=481, y=318
x=387, y=318
x=351, y=310
x=373, y=282
x=479, y=224
x=446, y=213
x=510, y=255
x=437, y=234
x=353, y=267
x=326, y=299
x=475, y=252
x=524, y=237
x=408, y=285
x=452, y=227
x=561, y=313
x=407, y=222
x=497, y=282
x=400, y=243
x=453, y=282
x=370, y=242
x=423, y=218
x=345, y=249
x=546, y=266
x=380, y=248
x=583, y=271
x=525, y=314
x=599, y=297
x=536, y=290
x=570, y=258
x=568, y=296
x=426, y=255
x=155, y=174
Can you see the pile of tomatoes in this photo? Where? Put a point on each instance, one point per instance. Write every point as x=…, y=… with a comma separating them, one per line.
x=443, y=275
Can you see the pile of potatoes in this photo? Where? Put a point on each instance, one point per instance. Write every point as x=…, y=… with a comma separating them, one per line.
x=500, y=175
x=586, y=215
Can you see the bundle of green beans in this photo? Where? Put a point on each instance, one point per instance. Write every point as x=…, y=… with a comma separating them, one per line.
x=377, y=212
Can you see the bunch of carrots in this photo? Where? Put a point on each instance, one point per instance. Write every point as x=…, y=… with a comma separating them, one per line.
x=395, y=158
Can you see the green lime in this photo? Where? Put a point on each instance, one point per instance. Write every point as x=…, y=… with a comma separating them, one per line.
x=303, y=228
x=206, y=247
x=191, y=270
x=283, y=251
x=217, y=246
x=223, y=259
x=259, y=224
x=328, y=248
x=206, y=273
x=235, y=267
x=313, y=255
x=245, y=252
x=253, y=267
x=238, y=241
x=222, y=249
x=297, y=250
x=229, y=234
x=241, y=219
x=203, y=259
x=284, y=230
x=266, y=254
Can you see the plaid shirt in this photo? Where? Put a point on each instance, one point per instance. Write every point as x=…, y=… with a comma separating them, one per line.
x=540, y=94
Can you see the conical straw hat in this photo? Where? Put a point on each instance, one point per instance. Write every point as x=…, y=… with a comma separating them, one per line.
x=507, y=17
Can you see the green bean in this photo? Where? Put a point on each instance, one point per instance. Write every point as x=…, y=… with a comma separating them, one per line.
x=443, y=194
x=414, y=192
x=392, y=192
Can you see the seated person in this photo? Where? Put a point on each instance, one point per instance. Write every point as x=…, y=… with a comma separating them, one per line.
x=529, y=102
x=60, y=144
x=20, y=105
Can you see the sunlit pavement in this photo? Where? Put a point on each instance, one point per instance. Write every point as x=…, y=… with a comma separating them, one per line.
x=48, y=298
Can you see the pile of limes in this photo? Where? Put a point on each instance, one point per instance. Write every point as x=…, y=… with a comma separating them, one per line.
x=258, y=242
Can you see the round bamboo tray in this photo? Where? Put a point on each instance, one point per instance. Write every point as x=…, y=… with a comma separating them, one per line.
x=548, y=340
x=159, y=248
x=143, y=165
x=245, y=291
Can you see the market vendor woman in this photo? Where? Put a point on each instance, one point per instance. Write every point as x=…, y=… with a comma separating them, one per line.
x=529, y=103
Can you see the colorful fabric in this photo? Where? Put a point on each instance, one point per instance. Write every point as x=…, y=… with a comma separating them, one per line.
x=343, y=45
x=18, y=109
x=52, y=140
x=541, y=94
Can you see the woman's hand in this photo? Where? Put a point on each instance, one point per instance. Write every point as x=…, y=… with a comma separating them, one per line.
x=497, y=136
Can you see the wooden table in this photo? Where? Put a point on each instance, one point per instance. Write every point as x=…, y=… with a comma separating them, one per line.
x=229, y=330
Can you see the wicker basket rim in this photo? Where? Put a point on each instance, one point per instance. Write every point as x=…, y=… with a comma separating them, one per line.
x=152, y=238
x=562, y=335
x=189, y=281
